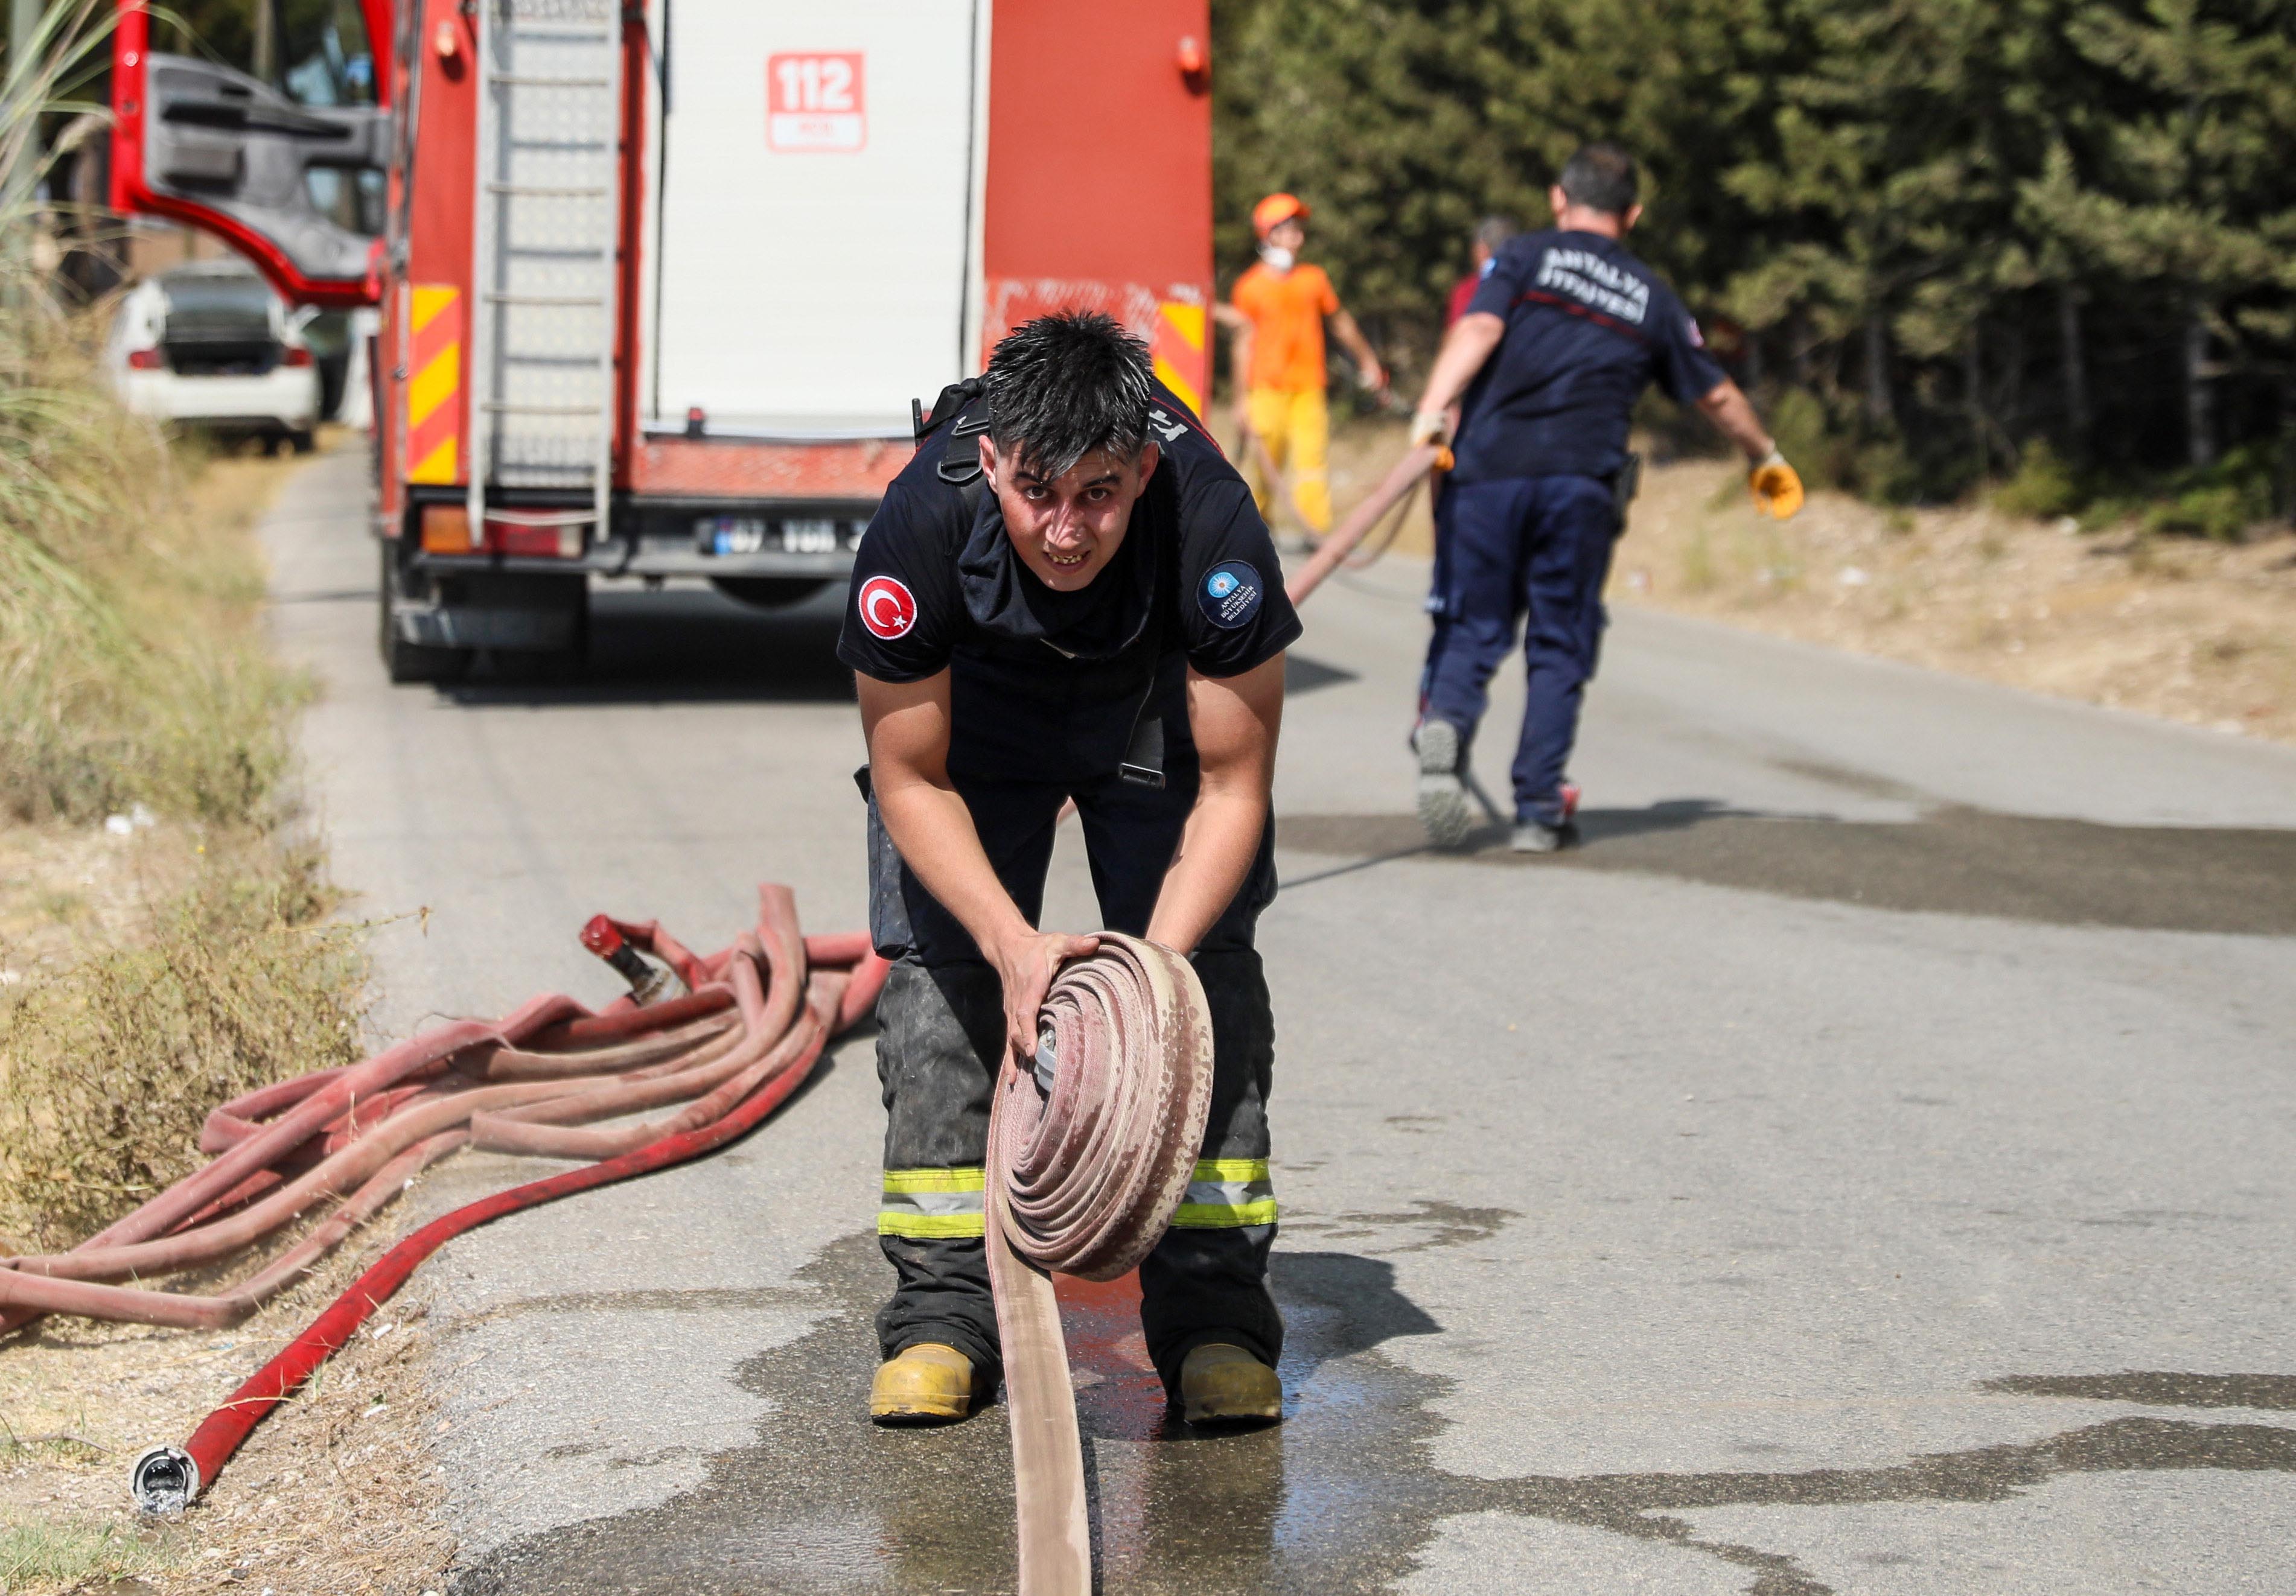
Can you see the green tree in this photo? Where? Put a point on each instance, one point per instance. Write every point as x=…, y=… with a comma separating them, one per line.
x=2187, y=188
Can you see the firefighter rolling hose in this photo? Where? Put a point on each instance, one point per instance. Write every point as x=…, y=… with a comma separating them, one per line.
x=1558, y=342
x=1068, y=593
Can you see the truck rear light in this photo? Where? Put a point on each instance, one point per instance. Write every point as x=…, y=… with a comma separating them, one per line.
x=295, y=356
x=148, y=360
x=545, y=543
x=446, y=529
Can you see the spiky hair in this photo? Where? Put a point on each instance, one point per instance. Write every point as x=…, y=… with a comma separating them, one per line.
x=1064, y=385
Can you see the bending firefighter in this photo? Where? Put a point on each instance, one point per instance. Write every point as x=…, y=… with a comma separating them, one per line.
x=1066, y=595
x=1276, y=314
x=1557, y=346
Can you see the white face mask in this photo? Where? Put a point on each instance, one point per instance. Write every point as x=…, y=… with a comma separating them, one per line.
x=1278, y=260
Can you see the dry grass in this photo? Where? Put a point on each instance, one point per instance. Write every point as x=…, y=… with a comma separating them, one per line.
x=333, y=1495
x=145, y=974
x=129, y=668
x=2189, y=629
x=174, y=955
x=112, y=1065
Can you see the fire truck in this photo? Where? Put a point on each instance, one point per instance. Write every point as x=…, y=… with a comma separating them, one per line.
x=658, y=281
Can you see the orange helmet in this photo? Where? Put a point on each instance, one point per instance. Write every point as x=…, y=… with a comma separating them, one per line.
x=1275, y=210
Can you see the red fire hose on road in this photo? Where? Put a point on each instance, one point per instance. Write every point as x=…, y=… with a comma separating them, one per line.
x=1393, y=490
x=747, y=1036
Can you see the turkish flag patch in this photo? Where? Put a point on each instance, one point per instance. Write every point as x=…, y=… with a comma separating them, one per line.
x=888, y=608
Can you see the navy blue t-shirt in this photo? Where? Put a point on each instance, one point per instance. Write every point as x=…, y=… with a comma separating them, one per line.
x=1588, y=327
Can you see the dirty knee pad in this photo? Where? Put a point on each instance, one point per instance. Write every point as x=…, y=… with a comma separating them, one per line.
x=940, y=1034
x=941, y=1031
x=1243, y=1052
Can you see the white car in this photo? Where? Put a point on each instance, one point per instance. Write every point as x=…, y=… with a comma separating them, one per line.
x=211, y=343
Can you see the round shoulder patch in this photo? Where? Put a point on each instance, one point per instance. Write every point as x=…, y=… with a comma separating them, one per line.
x=888, y=608
x=1231, y=593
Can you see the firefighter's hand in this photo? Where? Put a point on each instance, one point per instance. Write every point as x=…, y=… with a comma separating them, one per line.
x=1373, y=377
x=1777, y=487
x=1430, y=426
x=1027, y=966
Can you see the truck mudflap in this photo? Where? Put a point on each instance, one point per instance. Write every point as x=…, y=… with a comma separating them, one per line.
x=432, y=625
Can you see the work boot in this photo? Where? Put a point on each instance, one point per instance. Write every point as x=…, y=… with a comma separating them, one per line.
x=925, y=1384
x=1221, y=1384
x=1442, y=797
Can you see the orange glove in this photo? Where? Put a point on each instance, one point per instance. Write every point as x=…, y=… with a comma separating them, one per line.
x=1777, y=487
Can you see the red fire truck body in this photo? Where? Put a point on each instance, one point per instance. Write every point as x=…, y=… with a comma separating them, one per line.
x=658, y=282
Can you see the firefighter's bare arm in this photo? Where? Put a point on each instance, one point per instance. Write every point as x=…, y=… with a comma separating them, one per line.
x=1776, y=486
x=1234, y=720
x=1733, y=415
x=906, y=725
x=1465, y=347
x=1351, y=339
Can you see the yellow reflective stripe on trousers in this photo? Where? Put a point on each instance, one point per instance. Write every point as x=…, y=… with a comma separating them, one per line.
x=1227, y=1194
x=931, y=1205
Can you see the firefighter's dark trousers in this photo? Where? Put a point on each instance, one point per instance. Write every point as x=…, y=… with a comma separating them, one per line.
x=942, y=1033
x=1530, y=546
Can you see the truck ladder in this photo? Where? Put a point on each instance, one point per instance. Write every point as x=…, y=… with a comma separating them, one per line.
x=544, y=246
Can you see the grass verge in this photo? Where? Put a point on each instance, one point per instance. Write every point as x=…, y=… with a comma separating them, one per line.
x=135, y=695
x=43, y=1553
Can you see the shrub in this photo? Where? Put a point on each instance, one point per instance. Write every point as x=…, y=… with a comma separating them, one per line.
x=108, y=1071
x=2043, y=488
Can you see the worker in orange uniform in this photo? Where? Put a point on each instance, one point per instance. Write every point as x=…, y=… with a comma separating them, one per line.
x=1276, y=313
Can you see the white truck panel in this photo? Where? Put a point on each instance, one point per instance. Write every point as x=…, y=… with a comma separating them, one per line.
x=817, y=213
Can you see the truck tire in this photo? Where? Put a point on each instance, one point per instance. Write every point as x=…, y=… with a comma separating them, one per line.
x=403, y=661
x=768, y=592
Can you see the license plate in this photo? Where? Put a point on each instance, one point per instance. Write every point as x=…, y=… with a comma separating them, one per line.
x=754, y=535
x=731, y=533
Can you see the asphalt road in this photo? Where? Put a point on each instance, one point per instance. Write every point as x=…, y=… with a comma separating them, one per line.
x=1867, y=1166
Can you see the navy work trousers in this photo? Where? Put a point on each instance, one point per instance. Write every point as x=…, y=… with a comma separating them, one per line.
x=1533, y=546
x=942, y=1038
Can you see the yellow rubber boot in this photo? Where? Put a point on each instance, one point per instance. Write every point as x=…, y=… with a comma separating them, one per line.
x=1221, y=1384
x=926, y=1384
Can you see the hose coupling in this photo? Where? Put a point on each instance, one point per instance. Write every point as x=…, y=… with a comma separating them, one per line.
x=165, y=1481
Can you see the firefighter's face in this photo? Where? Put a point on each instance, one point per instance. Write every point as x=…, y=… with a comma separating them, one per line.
x=1067, y=530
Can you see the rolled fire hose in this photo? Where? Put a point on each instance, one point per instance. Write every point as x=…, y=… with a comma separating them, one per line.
x=1089, y=1153
x=1393, y=489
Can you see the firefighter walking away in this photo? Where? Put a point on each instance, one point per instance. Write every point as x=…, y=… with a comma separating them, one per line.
x=1565, y=331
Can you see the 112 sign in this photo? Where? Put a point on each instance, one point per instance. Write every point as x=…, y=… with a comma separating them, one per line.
x=815, y=102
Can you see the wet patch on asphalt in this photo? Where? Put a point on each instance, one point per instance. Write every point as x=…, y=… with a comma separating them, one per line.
x=1953, y=860
x=1342, y=1497
x=1447, y=1224
x=2154, y=1388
